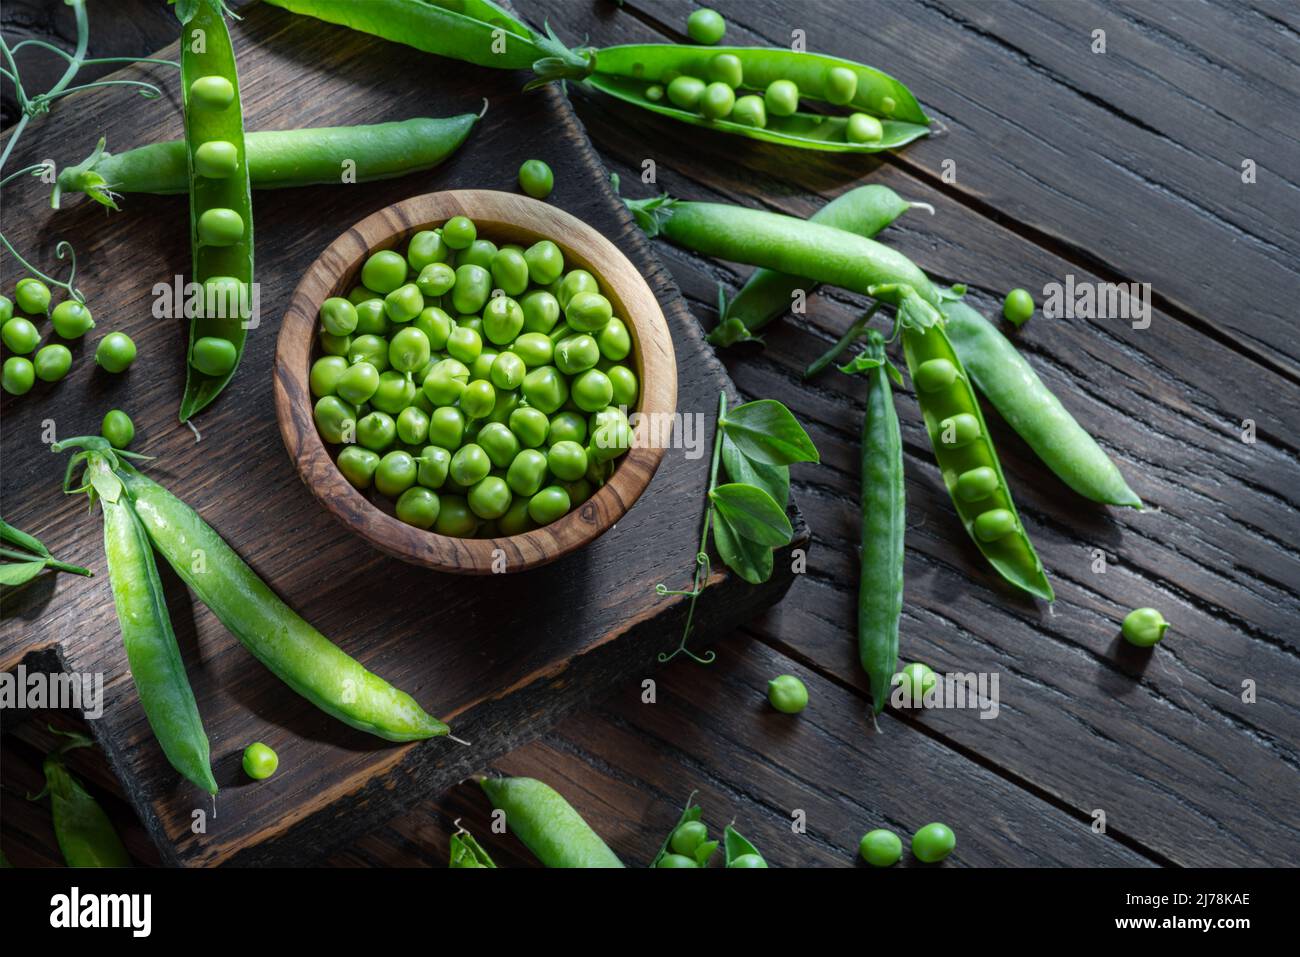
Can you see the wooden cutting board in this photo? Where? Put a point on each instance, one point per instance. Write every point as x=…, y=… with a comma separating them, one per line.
x=499, y=657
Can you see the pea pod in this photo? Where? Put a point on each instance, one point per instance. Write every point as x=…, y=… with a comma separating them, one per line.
x=85, y=834
x=1029, y=407
x=466, y=852
x=740, y=853
x=151, y=650
x=884, y=514
x=547, y=824
x=766, y=295
x=276, y=158
x=221, y=202
x=627, y=72
x=962, y=447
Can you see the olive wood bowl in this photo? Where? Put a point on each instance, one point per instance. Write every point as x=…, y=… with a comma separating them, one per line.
x=501, y=217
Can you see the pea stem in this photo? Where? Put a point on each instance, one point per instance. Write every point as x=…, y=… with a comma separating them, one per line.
x=50, y=562
x=701, y=578
x=850, y=336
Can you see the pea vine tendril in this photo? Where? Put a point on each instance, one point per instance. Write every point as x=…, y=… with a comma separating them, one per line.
x=32, y=106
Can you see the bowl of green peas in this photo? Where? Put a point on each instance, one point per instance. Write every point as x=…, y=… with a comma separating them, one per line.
x=475, y=381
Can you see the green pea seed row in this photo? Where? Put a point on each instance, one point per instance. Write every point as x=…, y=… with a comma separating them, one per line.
x=494, y=422
x=221, y=207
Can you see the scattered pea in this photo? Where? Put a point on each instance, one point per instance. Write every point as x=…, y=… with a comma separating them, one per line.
x=917, y=679
x=32, y=296
x=787, y=694
x=115, y=352
x=536, y=178
x=260, y=762
x=18, y=375
x=118, y=428
x=71, y=319
x=20, y=336
x=1144, y=627
x=705, y=26
x=933, y=843
x=52, y=363
x=880, y=848
x=1018, y=306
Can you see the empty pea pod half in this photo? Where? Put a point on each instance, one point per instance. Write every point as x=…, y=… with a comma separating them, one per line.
x=221, y=217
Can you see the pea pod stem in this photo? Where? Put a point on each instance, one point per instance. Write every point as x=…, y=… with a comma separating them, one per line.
x=851, y=335
x=49, y=562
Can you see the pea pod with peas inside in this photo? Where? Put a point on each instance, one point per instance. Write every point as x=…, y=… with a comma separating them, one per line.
x=85, y=834
x=221, y=207
x=547, y=824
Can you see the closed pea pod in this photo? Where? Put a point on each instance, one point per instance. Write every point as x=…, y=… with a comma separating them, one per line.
x=85, y=834
x=547, y=824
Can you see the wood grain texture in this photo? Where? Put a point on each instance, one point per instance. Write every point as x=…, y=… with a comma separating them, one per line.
x=502, y=217
x=499, y=656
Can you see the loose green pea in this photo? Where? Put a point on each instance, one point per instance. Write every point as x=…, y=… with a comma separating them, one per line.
x=376, y=431
x=567, y=460
x=418, y=506
x=1018, y=307
x=372, y=320
x=977, y=484
x=994, y=524
x=338, y=316
x=499, y=443
x=510, y=271
x=841, y=87
x=71, y=319
x=20, y=335
x=588, y=311
x=503, y=320
x=455, y=518
x=384, y=271
x=446, y=381
x=6, y=309
x=578, y=491
x=592, y=390
x=360, y=294
x=436, y=279
x=18, y=375
x=480, y=253
x=548, y=505
x=32, y=296
x=787, y=694
x=470, y=465
x=614, y=340
x=436, y=326
x=718, y=101
x=534, y=348
x=426, y=248
x=412, y=425
x=726, y=68
x=404, y=303
x=541, y=311
x=432, y=466
x=508, y=371
x=624, y=382
x=216, y=159
x=408, y=350
x=335, y=419
x=490, y=498
x=576, y=353
x=212, y=92
x=214, y=355
x=481, y=368
x=51, y=363
x=530, y=426
x=575, y=281
x=918, y=678
x=470, y=322
x=545, y=389
x=781, y=98
x=685, y=92
x=464, y=344
x=1144, y=627
x=472, y=289
x=333, y=345
x=118, y=428
x=358, y=465
x=115, y=352
x=447, y=428
x=395, y=474
x=880, y=848
x=863, y=128
x=396, y=391
x=750, y=111
x=220, y=227
x=705, y=26
x=369, y=348
x=545, y=262
x=536, y=179
x=458, y=232
x=567, y=427
x=260, y=762
x=478, y=399
x=933, y=843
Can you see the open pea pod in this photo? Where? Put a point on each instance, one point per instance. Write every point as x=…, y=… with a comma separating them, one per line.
x=221, y=205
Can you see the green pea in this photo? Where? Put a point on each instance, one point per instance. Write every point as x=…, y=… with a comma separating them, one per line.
x=418, y=506
x=545, y=262
x=436, y=326
x=541, y=311
x=654, y=92
x=933, y=843
x=335, y=419
x=20, y=335
x=614, y=340
x=220, y=227
x=445, y=383
x=369, y=348
x=863, y=128
x=548, y=505
x=358, y=465
x=545, y=389
x=51, y=363
x=18, y=375
x=32, y=296
x=115, y=352
x=516, y=520
x=404, y=303
x=578, y=491
x=408, y=350
x=499, y=443
x=507, y=401
x=536, y=178
x=376, y=431
x=841, y=87
x=781, y=99
x=576, y=353
x=384, y=271
x=394, y=394
x=490, y=497
x=214, y=355
x=503, y=320
x=566, y=427
x=624, y=384
x=688, y=837
x=458, y=232
x=575, y=281
x=372, y=320
x=705, y=26
x=527, y=472
x=592, y=390
x=474, y=323
x=480, y=253
x=478, y=399
x=432, y=466
x=976, y=484
x=216, y=159
x=918, y=679
x=118, y=428
x=510, y=271
x=395, y=474
x=212, y=92
x=325, y=375
x=360, y=294
x=994, y=524
x=588, y=311
x=677, y=861
x=455, y=518
x=71, y=319
x=470, y=465
x=464, y=344
x=333, y=345
x=1144, y=627
x=748, y=861
x=1018, y=307
x=260, y=762
x=726, y=68
x=472, y=289
x=685, y=92
x=508, y=371
x=787, y=694
x=6, y=309
x=534, y=348
x=530, y=426
x=880, y=848
x=338, y=316
x=567, y=460
x=358, y=383
x=426, y=248
x=959, y=430
x=718, y=101
x=447, y=428
x=436, y=279
x=412, y=425
x=750, y=111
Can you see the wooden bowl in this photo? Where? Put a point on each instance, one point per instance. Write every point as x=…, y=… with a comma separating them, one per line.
x=502, y=217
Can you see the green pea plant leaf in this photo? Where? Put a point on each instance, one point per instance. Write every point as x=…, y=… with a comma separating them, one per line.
x=28, y=557
x=756, y=442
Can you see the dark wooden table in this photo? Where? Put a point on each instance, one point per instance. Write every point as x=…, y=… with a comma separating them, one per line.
x=1168, y=158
